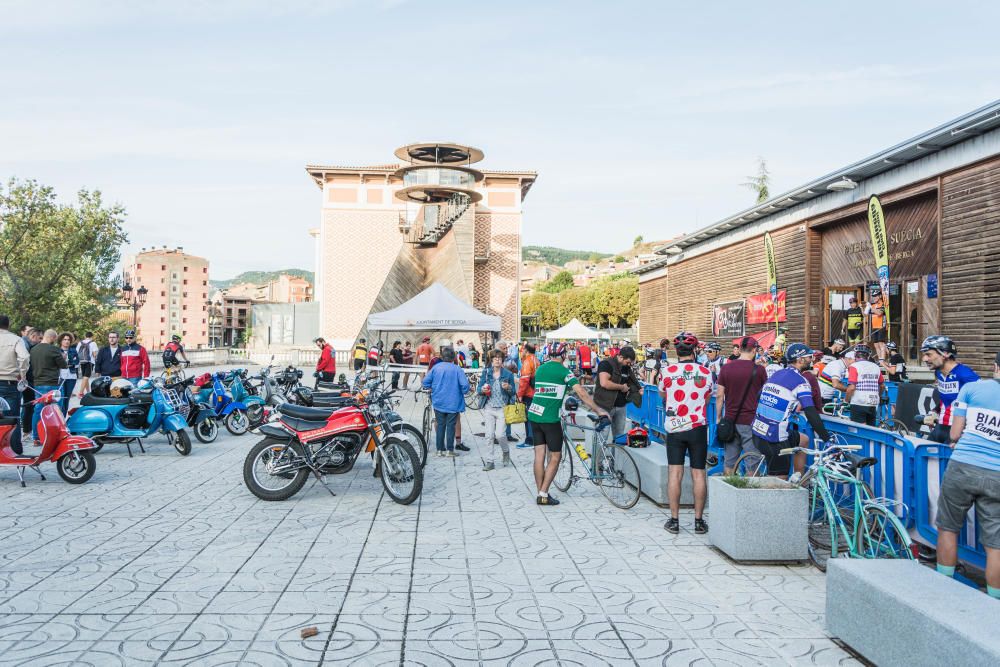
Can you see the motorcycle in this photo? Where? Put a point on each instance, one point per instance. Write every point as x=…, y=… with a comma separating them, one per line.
x=198, y=414
x=73, y=454
x=147, y=409
x=328, y=441
x=233, y=413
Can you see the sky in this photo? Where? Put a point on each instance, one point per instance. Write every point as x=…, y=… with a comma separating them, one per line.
x=640, y=117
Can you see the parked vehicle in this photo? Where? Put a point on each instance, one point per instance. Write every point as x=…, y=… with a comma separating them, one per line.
x=233, y=413
x=198, y=414
x=143, y=411
x=73, y=454
x=325, y=441
x=239, y=387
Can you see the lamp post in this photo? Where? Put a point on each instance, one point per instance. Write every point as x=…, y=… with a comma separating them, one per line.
x=132, y=299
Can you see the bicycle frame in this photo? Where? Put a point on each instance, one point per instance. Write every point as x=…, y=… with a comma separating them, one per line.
x=598, y=443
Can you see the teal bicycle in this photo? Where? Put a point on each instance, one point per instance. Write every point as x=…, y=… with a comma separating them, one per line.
x=607, y=465
x=845, y=521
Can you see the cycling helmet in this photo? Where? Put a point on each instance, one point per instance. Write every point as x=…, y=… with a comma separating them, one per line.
x=713, y=346
x=818, y=356
x=797, y=351
x=571, y=404
x=862, y=352
x=101, y=387
x=638, y=437
x=130, y=333
x=557, y=350
x=942, y=344
x=176, y=338
x=891, y=346
x=686, y=339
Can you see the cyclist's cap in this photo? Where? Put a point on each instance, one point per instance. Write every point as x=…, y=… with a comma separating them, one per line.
x=748, y=343
x=839, y=341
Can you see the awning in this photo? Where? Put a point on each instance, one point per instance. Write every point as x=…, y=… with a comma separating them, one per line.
x=434, y=309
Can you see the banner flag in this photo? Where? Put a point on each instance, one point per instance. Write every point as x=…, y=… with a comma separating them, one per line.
x=880, y=246
x=772, y=275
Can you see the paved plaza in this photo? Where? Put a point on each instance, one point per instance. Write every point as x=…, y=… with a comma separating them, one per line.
x=163, y=559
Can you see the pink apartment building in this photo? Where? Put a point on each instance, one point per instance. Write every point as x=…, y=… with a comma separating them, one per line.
x=176, y=301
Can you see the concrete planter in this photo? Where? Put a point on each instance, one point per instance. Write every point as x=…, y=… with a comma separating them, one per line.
x=764, y=523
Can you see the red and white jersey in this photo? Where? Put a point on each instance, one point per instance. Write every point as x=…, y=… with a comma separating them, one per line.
x=686, y=387
x=866, y=378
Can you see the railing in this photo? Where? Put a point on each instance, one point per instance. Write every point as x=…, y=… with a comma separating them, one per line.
x=227, y=356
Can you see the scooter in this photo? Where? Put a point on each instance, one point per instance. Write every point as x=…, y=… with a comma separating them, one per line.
x=73, y=454
x=199, y=415
x=254, y=404
x=233, y=413
x=146, y=410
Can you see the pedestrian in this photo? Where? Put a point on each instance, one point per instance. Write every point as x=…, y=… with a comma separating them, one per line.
x=172, y=351
x=14, y=363
x=713, y=358
x=736, y=352
x=685, y=392
x=526, y=389
x=360, y=355
x=552, y=379
x=135, y=359
x=326, y=365
x=895, y=368
x=408, y=361
x=109, y=358
x=973, y=477
x=502, y=346
x=46, y=362
x=396, y=358
x=68, y=375
x=86, y=350
x=585, y=355
x=425, y=352
x=615, y=378
x=774, y=359
x=939, y=354
x=864, y=387
x=375, y=354
x=496, y=389
x=31, y=337
x=448, y=386
x=473, y=355
x=740, y=383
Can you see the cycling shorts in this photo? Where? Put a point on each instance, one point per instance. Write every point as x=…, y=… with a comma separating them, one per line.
x=693, y=443
x=549, y=434
x=777, y=464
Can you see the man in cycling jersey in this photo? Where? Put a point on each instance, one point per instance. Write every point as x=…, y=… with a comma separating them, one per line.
x=832, y=378
x=854, y=322
x=785, y=393
x=360, y=354
x=973, y=477
x=864, y=387
x=552, y=379
x=939, y=354
x=173, y=350
x=876, y=316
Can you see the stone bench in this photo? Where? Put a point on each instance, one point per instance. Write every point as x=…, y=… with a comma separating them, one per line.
x=897, y=612
x=652, y=465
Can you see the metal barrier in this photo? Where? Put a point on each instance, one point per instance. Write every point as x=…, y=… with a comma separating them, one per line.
x=928, y=463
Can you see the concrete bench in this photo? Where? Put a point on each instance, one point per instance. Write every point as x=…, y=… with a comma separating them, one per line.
x=897, y=612
x=652, y=465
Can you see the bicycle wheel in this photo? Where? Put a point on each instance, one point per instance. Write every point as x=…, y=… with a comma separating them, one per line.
x=883, y=535
x=615, y=470
x=894, y=425
x=750, y=465
x=427, y=422
x=826, y=534
x=564, y=473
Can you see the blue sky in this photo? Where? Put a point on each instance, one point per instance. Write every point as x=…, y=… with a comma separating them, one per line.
x=640, y=117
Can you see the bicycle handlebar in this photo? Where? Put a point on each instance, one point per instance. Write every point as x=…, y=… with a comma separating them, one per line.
x=842, y=448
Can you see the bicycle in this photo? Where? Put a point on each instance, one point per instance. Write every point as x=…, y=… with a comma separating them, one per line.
x=884, y=419
x=855, y=524
x=610, y=466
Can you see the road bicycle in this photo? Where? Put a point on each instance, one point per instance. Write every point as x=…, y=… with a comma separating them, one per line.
x=607, y=465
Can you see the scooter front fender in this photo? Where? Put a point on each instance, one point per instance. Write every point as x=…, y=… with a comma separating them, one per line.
x=72, y=443
x=173, y=422
x=238, y=405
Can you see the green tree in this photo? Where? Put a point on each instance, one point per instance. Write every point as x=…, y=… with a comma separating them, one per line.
x=761, y=182
x=542, y=304
x=619, y=258
x=561, y=281
x=638, y=241
x=57, y=262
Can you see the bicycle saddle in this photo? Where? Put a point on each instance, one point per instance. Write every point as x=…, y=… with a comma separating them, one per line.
x=858, y=462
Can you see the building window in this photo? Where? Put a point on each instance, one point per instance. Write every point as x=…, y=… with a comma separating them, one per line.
x=184, y=307
x=162, y=320
x=163, y=267
x=162, y=332
x=185, y=269
x=204, y=283
x=205, y=270
x=163, y=306
x=163, y=293
x=185, y=320
x=138, y=266
x=185, y=281
x=185, y=293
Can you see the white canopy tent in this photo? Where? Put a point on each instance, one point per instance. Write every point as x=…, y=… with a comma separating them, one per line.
x=576, y=330
x=434, y=309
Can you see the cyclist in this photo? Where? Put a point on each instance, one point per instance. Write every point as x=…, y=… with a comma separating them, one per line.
x=939, y=354
x=360, y=354
x=773, y=360
x=586, y=356
x=552, y=379
x=831, y=378
x=876, y=316
x=895, y=368
x=172, y=350
x=836, y=348
x=973, y=477
x=854, y=321
x=685, y=390
x=786, y=392
x=713, y=354
x=864, y=386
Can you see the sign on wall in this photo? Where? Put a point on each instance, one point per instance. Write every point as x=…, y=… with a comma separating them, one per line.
x=728, y=319
x=761, y=309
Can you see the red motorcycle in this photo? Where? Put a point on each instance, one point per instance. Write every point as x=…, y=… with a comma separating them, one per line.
x=328, y=442
x=73, y=454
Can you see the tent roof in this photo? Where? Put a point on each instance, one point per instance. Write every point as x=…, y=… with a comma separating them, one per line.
x=576, y=330
x=434, y=309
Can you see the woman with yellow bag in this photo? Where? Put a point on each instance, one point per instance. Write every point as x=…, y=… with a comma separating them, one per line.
x=496, y=391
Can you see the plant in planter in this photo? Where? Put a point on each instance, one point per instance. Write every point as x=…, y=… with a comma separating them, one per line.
x=758, y=518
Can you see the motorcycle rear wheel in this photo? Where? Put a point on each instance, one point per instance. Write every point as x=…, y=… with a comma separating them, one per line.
x=206, y=431
x=76, y=467
x=182, y=442
x=237, y=422
x=415, y=438
x=265, y=485
x=402, y=476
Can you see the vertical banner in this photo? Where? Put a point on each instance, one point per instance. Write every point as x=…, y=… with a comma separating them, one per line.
x=772, y=276
x=880, y=246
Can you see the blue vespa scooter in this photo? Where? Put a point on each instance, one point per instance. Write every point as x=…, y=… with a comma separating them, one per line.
x=145, y=410
x=232, y=412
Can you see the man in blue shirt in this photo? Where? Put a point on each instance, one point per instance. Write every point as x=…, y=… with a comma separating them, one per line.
x=973, y=477
x=448, y=386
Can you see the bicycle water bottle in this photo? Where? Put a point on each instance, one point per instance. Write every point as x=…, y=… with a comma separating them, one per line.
x=582, y=451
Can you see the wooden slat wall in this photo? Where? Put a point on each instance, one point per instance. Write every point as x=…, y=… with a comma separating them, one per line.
x=814, y=290
x=970, y=264
x=653, y=309
x=733, y=273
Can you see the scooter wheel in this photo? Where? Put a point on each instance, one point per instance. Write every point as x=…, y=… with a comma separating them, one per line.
x=76, y=467
x=206, y=431
x=182, y=443
x=237, y=422
x=255, y=414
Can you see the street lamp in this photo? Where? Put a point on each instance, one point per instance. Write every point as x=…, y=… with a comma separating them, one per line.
x=132, y=299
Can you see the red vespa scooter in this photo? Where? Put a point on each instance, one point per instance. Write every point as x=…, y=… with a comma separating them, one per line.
x=74, y=459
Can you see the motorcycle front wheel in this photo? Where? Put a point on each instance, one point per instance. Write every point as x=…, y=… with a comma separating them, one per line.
x=206, y=431
x=237, y=422
x=76, y=467
x=402, y=476
x=261, y=465
x=415, y=438
x=182, y=442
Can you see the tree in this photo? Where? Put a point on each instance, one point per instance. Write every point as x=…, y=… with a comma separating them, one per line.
x=560, y=282
x=57, y=262
x=638, y=241
x=760, y=183
x=619, y=258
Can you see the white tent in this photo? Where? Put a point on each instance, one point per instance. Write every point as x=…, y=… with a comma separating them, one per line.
x=575, y=330
x=434, y=309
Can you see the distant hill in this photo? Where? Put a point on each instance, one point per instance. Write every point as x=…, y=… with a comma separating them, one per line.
x=556, y=256
x=261, y=277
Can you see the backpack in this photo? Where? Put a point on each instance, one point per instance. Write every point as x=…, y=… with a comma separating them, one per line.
x=84, y=351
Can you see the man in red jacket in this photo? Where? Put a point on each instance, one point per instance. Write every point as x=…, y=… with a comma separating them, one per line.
x=135, y=360
x=326, y=367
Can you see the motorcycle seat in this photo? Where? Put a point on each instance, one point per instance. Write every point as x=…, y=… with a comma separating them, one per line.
x=90, y=399
x=304, y=413
x=8, y=421
x=301, y=425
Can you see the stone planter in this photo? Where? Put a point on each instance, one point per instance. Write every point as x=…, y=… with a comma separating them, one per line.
x=764, y=523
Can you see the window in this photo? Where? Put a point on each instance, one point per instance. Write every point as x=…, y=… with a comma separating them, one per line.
x=138, y=266
x=163, y=293
x=184, y=307
x=205, y=270
x=185, y=320
x=173, y=289
x=204, y=283
x=162, y=320
x=163, y=306
x=185, y=281
x=185, y=293
x=162, y=332
x=163, y=280
x=185, y=269
x=163, y=267
x=203, y=320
